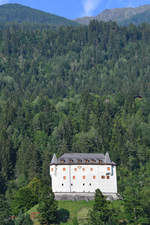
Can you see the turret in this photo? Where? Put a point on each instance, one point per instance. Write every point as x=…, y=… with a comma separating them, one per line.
x=54, y=160
x=107, y=158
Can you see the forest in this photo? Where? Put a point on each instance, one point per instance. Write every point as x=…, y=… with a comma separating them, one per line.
x=75, y=89
x=16, y=13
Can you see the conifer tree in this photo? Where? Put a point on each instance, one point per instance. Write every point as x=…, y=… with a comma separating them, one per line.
x=47, y=207
x=23, y=219
x=101, y=213
x=5, y=212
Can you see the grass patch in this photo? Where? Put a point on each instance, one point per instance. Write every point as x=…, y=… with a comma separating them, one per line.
x=68, y=210
x=83, y=215
x=77, y=209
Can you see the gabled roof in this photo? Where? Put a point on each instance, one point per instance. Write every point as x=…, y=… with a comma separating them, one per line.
x=82, y=159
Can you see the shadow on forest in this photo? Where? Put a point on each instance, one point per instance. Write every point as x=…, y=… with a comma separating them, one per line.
x=63, y=215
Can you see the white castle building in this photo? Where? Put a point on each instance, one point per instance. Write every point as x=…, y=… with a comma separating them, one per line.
x=77, y=175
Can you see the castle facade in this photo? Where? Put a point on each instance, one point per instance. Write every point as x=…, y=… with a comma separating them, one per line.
x=77, y=175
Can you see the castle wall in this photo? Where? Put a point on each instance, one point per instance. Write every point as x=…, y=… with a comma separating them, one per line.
x=83, y=178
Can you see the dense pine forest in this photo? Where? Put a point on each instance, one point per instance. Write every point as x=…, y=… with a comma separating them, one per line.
x=76, y=89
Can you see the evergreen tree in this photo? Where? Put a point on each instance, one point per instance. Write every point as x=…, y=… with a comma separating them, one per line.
x=136, y=206
x=23, y=219
x=5, y=212
x=101, y=213
x=23, y=200
x=47, y=207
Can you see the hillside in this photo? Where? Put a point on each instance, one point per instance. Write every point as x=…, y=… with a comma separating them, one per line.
x=75, y=89
x=120, y=15
x=68, y=210
x=137, y=19
x=16, y=13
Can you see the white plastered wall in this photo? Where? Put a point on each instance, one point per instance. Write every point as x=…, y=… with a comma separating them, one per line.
x=83, y=178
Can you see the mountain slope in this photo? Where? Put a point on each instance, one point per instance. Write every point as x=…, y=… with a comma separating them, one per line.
x=22, y=14
x=137, y=19
x=118, y=14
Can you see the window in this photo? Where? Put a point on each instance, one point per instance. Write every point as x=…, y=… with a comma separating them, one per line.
x=86, y=160
x=108, y=177
x=100, y=161
x=52, y=169
x=91, y=169
x=83, y=169
x=75, y=169
x=108, y=168
x=103, y=177
x=94, y=177
x=62, y=160
x=79, y=161
x=64, y=169
x=93, y=160
x=74, y=177
x=83, y=177
x=71, y=160
x=64, y=177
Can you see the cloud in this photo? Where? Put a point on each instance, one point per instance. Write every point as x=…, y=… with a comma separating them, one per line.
x=3, y=2
x=89, y=6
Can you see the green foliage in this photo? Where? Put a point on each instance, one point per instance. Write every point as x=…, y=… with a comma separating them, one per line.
x=23, y=200
x=23, y=219
x=16, y=13
x=77, y=211
x=83, y=89
x=101, y=213
x=5, y=212
x=47, y=208
x=35, y=186
x=137, y=206
x=75, y=221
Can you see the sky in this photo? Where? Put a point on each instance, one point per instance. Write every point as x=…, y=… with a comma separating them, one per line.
x=72, y=9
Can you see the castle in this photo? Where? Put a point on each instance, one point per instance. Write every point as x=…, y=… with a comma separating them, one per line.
x=76, y=176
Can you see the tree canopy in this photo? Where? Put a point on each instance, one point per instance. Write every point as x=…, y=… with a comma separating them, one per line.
x=75, y=89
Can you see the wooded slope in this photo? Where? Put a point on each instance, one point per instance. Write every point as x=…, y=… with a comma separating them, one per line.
x=82, y=89
x=16, y=13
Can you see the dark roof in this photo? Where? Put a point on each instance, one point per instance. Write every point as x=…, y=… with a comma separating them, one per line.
x=82, y=158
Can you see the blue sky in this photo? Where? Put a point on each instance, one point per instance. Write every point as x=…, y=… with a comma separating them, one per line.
x=77, y=8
